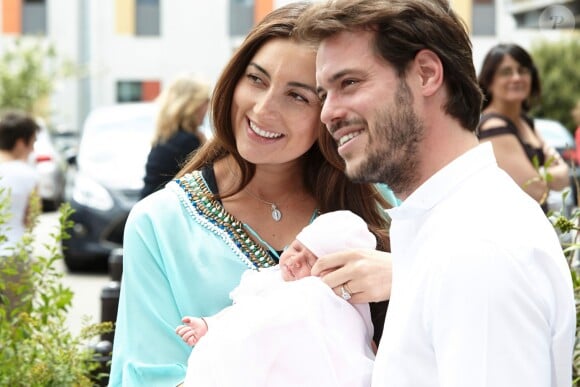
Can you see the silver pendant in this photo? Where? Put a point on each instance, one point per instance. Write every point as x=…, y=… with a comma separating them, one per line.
x=276, y=213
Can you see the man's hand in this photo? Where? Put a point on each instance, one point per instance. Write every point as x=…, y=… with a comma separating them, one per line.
x=366, y=274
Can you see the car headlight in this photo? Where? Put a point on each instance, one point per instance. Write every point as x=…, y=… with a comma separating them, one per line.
x=89, y=193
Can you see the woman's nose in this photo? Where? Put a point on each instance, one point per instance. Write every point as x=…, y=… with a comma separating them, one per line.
x=266, y=105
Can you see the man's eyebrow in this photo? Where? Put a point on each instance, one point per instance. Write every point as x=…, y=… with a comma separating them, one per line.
x=335, y=78
x=339, y=75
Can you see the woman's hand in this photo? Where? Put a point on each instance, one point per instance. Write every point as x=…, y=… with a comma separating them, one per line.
x=365, y=274
x=557, y=169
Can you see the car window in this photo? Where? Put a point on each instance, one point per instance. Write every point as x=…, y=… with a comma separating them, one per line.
x=119, y=147
x=554, y=133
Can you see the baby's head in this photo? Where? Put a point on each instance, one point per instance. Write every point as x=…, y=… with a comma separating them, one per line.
x=329, y=233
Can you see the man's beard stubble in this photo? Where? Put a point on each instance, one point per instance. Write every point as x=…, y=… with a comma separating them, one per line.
x=392, y=148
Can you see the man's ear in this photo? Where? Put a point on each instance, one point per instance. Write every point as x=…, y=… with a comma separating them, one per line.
x=430, y=70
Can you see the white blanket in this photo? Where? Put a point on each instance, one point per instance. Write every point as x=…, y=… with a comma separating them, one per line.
x=284, y=334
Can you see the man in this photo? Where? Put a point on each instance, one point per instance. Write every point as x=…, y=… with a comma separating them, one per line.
x=481, y=292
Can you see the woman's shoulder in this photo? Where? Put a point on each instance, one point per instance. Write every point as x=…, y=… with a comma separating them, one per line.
x=493, y=120
x=492, y=124
x=166, y=203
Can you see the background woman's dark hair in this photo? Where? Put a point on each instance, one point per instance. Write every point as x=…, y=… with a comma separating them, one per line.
x=491, y=63
x=324, y=177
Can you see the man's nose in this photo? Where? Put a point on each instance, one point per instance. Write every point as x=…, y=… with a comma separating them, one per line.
x=332, y=111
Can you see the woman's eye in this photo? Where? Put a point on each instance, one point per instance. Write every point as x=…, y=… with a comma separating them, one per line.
x=298, y=97
x=254, y=78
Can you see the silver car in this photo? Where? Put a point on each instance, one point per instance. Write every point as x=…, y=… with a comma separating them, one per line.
x=556, y=135
x=104, y=181
x=51, y=169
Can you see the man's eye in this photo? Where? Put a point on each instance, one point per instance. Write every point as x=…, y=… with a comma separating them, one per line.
x=348, y=82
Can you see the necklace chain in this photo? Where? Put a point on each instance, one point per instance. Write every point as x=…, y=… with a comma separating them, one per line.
x=275, y=211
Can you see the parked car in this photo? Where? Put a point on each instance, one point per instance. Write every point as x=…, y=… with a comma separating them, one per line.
x=51, y=168
x=104, y=181
x=556, y=135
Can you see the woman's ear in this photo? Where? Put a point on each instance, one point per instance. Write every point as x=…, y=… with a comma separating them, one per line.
x=430, y=70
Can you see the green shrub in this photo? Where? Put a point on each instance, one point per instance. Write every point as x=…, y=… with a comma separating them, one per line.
x=557, y=64
x=571, y=226
x=35, y=349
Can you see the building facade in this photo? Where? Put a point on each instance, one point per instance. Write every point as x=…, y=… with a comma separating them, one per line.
x=128, y=49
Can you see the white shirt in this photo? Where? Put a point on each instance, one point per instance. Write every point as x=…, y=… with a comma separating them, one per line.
x=20, y=179
x=284, y=334
x=482, y=294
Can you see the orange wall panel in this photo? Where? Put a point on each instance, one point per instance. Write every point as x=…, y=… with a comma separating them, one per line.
x=261, y=9
x=150, y=90
x=12, y=16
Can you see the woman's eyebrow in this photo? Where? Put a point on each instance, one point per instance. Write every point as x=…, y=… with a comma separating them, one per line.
x=259, y=68
x=301, y=85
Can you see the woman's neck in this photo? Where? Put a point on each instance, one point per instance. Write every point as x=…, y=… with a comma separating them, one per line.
x=269, y=182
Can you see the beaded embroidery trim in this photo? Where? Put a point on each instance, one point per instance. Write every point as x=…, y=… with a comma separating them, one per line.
x=214, y=216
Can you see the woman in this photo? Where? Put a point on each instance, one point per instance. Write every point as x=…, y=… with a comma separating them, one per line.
x=510, y=83
x=182, y=108
x=237, y=204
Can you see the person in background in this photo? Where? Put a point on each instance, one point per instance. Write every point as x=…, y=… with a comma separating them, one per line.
x=18, y=182
x=576, y=117
x=182, y=108
x=17, y=177
x=243, y=197
x=481, y=292
x=278, y=312
x=511, y=84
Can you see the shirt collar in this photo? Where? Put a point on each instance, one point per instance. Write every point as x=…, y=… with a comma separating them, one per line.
x=445, y=181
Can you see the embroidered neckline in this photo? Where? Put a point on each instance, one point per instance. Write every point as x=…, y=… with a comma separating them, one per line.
x=199, y=198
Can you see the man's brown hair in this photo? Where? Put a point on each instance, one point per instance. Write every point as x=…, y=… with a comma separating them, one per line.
x=403, y=28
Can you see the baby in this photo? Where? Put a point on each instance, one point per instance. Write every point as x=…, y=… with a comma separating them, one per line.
x=285, y=327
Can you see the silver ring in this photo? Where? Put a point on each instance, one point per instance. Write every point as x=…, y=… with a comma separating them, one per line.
x=344, y=293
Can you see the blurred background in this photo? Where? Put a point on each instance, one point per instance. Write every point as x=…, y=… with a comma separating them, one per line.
x=90, y=69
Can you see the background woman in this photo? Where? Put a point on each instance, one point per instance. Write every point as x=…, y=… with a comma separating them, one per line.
x=236, y=205
x=182, y=108
x=510, y=83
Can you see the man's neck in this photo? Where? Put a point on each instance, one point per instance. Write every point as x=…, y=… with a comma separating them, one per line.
x=445, y=140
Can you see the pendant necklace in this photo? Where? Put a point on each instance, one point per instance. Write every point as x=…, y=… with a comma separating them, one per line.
x=276, y=213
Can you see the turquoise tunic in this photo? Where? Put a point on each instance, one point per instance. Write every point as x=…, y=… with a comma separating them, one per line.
x=183, y=254
x=178, y=259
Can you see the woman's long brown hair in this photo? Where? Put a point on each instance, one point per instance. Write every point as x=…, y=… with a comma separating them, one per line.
x=323, y=168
